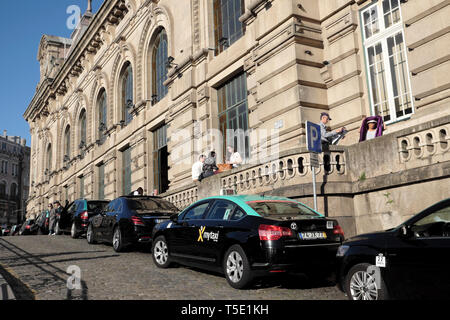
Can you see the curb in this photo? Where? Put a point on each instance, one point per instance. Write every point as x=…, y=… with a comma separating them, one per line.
x=6, y=292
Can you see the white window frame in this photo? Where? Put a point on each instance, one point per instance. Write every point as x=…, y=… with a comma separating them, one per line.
x=381, y=37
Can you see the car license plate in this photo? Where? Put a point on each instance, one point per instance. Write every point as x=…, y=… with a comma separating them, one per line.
x=312, y=235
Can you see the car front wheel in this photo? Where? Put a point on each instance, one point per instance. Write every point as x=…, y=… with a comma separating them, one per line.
x=237, y=268
x=160, y=253
x=363, y=282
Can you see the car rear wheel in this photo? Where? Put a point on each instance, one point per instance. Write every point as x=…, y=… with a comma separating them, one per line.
x=160, y=253
x=90, y=235
x=237, y=268
x=118, y=240
x=362, y=284
x=73, y=231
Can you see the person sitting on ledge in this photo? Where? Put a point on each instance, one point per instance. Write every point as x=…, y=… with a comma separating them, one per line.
x=209, y=167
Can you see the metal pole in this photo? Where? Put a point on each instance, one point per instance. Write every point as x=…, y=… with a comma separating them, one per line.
x=314, y=186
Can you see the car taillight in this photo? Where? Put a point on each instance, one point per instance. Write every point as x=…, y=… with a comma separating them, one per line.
x=137, y=221
x=84, y=215
x=27, y=227
x=269, y=232
x=338, y=230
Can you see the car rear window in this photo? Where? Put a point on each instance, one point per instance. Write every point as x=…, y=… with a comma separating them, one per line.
x=267, y=208
x=151, y=205
x=95, y=205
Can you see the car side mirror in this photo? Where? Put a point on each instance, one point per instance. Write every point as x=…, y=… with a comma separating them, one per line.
x=174, y=218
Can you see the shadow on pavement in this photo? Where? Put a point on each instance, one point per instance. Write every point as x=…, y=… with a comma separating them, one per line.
x=20, y=290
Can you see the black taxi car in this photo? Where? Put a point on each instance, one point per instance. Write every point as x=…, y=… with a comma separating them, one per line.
x=245, y=237
x=411, y=261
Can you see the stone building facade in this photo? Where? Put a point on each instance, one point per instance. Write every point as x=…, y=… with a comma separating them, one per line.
x=14, y=178
x=144, y=87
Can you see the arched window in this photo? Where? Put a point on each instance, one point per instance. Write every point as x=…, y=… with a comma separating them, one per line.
x=67, y=144
x=126, y=86
x=49, y=157
x=159, y=67
x=102, y=112
x=83, y=129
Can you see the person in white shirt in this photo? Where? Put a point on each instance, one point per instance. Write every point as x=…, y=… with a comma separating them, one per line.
x=197, y=168
x=234, y=157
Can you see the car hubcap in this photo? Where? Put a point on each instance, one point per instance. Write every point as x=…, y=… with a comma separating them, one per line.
x=116, y=240
x=161, y=252
x=235, y=266
x=363, y=286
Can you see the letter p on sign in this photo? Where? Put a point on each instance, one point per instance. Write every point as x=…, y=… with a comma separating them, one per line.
x=313, y=140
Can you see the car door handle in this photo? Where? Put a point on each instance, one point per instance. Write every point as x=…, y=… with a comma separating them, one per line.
x=220, y=226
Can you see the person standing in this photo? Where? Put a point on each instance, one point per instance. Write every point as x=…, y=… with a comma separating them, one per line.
x=52, y=220
x=197, y=168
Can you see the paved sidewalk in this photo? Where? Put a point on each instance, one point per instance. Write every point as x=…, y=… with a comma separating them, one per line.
x=6, y=292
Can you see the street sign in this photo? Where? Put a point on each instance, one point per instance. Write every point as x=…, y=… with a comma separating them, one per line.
x=313, y=140
x=314, y=160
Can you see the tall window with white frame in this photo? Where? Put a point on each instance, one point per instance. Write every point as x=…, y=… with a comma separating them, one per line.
x=386, y=61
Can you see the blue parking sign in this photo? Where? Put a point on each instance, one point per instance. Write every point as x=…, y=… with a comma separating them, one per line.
x=313, y=140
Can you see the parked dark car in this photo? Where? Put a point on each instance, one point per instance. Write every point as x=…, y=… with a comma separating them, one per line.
x=15, y=229
x=29, y=227
x=246, y=237
x=411, y=261
x=43, y=222
x=74, y=218
x=129, y=220
x=5, y=230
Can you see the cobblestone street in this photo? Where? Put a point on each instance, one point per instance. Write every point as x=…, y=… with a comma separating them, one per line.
x=36, y=268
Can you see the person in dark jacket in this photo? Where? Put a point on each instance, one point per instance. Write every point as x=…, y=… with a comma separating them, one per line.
x=209, y=166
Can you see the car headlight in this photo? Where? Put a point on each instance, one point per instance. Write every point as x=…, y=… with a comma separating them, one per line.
x=342, y=250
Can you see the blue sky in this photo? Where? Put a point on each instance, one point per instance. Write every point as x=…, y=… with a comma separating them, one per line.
x=22, y=25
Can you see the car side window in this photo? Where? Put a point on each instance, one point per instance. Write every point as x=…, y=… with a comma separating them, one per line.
x=238, y=214
x=221, y=210
x=436, y=224
x=110, y=206
x=196, y=212
x=72, y=208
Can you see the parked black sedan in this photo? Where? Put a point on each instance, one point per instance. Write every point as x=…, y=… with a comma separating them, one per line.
x=245, y=237
x=129, y=220
x=411, y=261
x=75, y=216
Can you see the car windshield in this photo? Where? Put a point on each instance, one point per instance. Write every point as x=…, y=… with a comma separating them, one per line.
x=151, y=205
x=268, y=208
